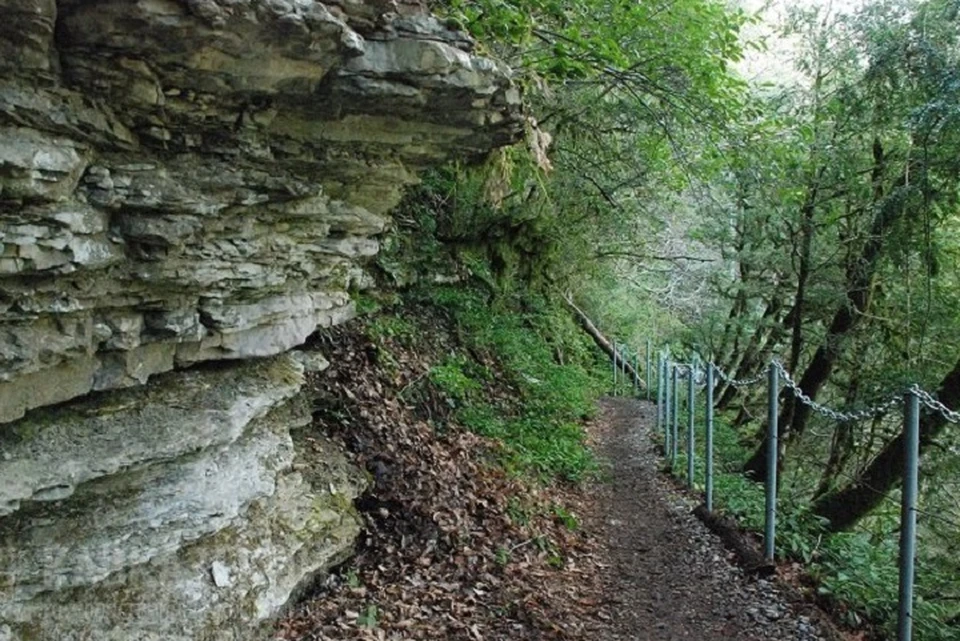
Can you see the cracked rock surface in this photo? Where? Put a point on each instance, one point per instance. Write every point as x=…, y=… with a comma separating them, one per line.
x=188, y=190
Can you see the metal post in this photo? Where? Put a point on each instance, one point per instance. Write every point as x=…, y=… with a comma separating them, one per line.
x=666, y=411
x=691, y=398
x=674, y=437
x=709, y=443
x=636, y=371
x=649, y=382
x=659, y=406
x=770, y=522
x=659, y=393
x=908, y=514
x=614, y=368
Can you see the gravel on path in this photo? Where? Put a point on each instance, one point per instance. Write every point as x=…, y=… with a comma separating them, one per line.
x=669, y=577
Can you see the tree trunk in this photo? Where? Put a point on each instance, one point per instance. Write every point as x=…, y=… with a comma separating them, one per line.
x=605, y=344
x=859, y=278
x=750, y=362
x=846, y=506
x=729, y=346
x=842, y=443
x=796, y=315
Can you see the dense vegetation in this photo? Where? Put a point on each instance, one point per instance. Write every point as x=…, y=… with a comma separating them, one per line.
x=528, y=377
x=459, y=409
x=810, y=216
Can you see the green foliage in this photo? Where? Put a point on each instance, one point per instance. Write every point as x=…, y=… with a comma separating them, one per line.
x=366, y=305
x=740, y=498
x=856, y=571
x=563, y=515
x=369, y=303
x=547, y=362
x=835, y=214
x=859, y=572
x=369, y=618
x=391, y=326
x=799, y=532
x=563, y=41
x=861, y=575
x=451, y=379
x=353, y=579
x=518, y=512
x=815, y=216
x=614, y=84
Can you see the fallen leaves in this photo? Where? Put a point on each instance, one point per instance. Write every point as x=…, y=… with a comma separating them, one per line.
x=453, y=548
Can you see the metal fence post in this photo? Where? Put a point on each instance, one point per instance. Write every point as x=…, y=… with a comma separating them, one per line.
x=666, y=412
x=615, y=368
x=691, y=398
x=636, y=372
x=649, y=381
x=908, y=514
x=770, y=522
x=674, y=437
x=709, y=442
x=659, y=395
x=659, y=406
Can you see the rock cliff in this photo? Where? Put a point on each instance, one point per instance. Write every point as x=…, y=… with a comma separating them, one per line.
x=189, y=189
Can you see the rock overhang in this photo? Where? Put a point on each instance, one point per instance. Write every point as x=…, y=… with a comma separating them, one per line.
x=188, y=189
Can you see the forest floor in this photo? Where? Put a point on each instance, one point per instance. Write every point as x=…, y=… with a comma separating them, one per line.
x=669, y=576
x=455, y=548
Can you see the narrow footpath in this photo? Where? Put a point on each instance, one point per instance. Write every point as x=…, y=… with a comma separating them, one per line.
x=669, y=577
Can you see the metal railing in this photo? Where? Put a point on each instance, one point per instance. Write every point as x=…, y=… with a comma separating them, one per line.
x=623, y=355
x=669, y=375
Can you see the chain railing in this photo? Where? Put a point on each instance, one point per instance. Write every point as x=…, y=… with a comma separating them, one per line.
x=934, y=405
x=670, y=375
x=621, y=360
x=729, y=380
x=879, y=409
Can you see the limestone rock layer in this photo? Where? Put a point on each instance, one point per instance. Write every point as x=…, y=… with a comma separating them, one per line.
x=189, y=189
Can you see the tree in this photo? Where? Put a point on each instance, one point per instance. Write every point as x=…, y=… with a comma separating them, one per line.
x=846, y=506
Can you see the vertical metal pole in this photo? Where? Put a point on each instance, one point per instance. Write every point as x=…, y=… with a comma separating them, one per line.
x=649, y=381
x=663, y=388
x=666, y=416
x=770, y=522
x=614, y=368
x=659, y=394
x=663, y=383
x=676, y=417
x=636, y=378
x=709, y=443
x=908, y=514
x=691, y=399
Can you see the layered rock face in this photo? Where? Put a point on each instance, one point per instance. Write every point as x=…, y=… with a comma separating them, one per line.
x=188, y=189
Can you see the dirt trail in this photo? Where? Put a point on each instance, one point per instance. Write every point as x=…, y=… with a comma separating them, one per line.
x=456, y=549
x=669, y=577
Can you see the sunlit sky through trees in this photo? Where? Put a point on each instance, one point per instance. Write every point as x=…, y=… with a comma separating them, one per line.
x=774, y=63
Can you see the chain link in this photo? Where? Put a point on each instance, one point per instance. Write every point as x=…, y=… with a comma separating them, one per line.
x=746, y=382
x=858, y=415
x=927, y=399
x=701, y=378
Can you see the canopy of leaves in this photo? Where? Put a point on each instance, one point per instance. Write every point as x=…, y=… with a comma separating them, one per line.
x=813, y=218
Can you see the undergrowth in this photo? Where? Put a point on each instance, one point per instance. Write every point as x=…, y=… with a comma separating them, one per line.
x=522, y=374
x=453, y=545
x=855, y=573
x=546, y=363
